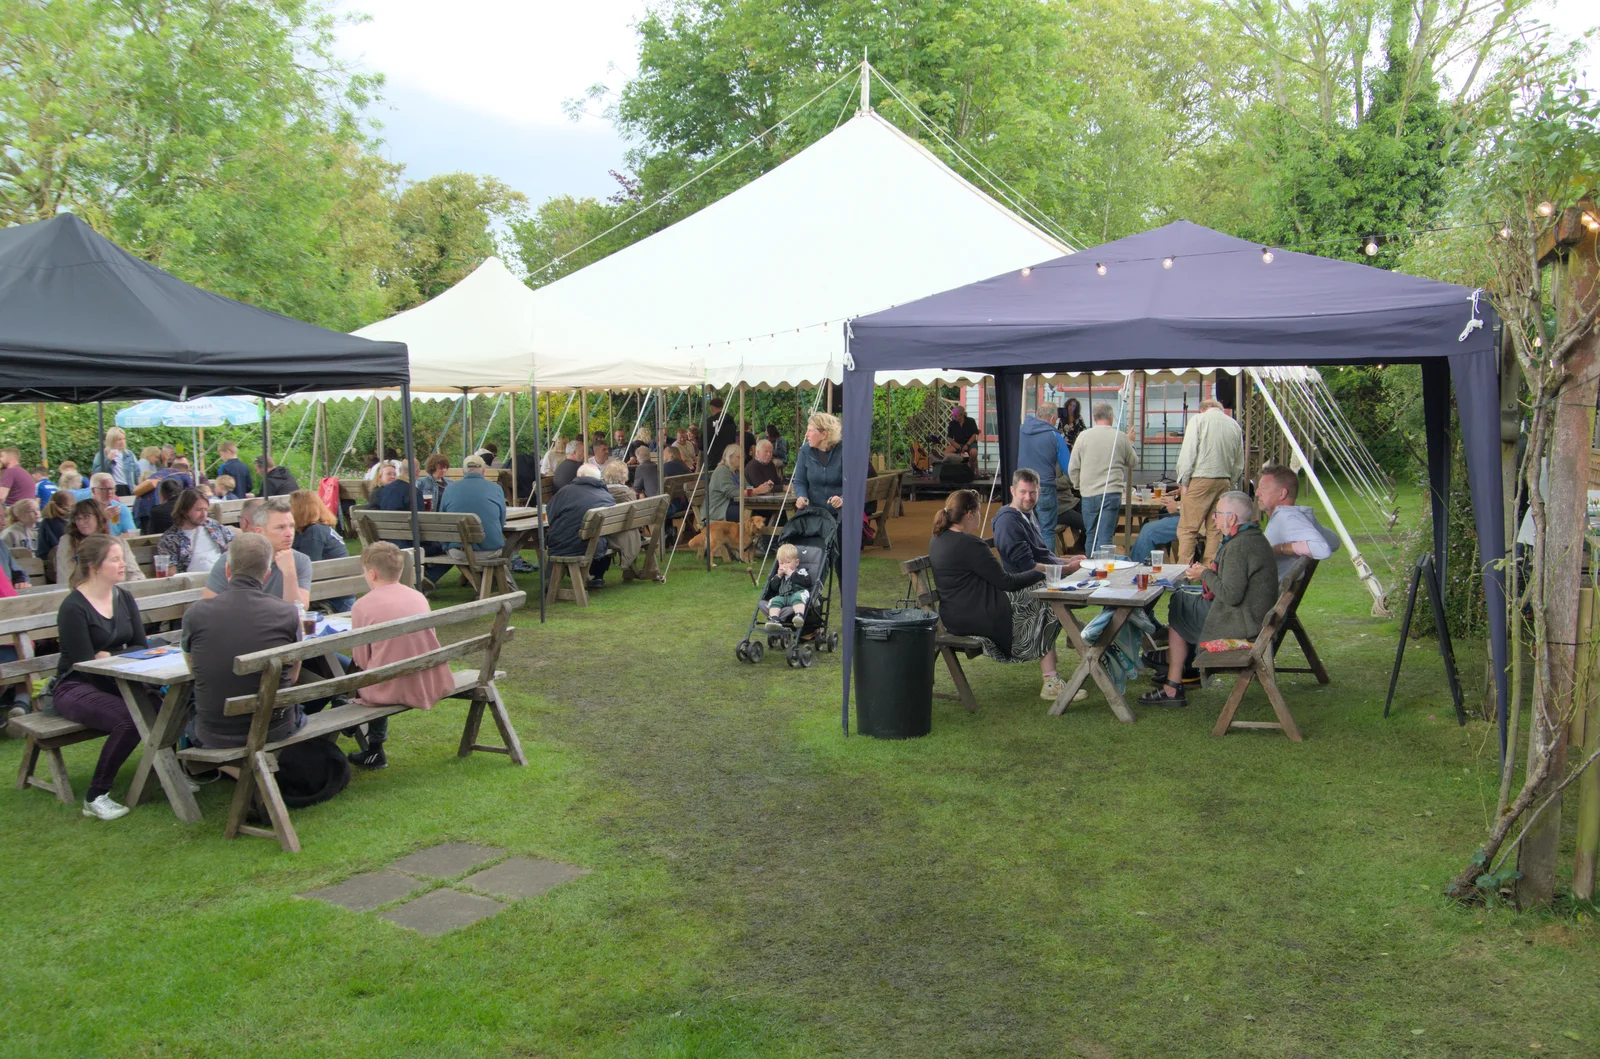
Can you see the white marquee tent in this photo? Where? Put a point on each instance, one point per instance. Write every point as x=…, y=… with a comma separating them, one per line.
x=488, y=333
x=758, y=284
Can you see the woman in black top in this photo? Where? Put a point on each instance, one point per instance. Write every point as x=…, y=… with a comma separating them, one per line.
x=1069, y=421
x=97, y=620
x=978, y=598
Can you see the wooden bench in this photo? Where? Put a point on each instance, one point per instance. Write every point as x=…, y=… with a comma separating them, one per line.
x=257, y=760
x=884, y=490
x=488, y=572
x=926, y=595
x=355, y=490
x=1256, y=661
x=226, y=512
x=31, y=565
x=45, y=733
x=648, y=514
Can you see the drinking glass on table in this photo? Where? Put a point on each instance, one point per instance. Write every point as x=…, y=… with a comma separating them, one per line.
x=1103, y=563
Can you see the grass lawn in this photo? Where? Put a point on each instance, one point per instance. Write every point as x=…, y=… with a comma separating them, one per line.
x=1013, y=885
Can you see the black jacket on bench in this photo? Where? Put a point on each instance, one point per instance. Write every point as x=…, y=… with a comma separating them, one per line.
x=566, y=511
x=972, y=587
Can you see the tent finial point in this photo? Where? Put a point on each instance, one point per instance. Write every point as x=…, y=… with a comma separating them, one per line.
x=866, y=84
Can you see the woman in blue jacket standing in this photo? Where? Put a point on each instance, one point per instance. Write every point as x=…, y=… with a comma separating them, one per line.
x=819, y=465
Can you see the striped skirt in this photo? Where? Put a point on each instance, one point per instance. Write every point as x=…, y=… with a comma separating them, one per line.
x=1033, y=630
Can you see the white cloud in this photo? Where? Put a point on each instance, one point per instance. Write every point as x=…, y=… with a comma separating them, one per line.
x=514, y=59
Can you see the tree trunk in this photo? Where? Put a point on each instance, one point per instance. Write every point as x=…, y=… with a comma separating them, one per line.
x=1565, y=520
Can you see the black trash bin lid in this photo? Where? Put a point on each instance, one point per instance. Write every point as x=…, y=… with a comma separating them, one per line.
x=886, y=618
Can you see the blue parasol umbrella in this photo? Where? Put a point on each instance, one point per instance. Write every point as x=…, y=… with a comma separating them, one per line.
x=201, y=412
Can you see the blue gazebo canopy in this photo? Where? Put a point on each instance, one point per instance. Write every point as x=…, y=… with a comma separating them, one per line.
x=1184, y=295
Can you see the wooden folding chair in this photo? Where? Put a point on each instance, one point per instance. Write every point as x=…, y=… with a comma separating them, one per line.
x=1256, y=662
x=926, y=594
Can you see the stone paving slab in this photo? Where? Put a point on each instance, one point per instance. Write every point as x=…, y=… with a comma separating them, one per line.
x=446, y=861
x=522, y=877
x=442, y=911
x=364, y=892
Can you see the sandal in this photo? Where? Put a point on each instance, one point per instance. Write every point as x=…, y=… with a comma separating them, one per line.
x=1158, y=697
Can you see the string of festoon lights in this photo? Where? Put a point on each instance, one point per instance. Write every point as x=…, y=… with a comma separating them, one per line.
x=1370, y=246
x=725, y=343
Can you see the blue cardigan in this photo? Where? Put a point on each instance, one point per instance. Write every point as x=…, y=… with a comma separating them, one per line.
x=819, y=476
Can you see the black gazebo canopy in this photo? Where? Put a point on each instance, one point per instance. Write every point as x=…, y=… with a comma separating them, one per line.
x=1186, y=295
x=82, y=320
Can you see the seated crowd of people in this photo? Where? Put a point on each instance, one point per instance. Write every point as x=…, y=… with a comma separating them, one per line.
x=1233, y=575
x=258, y=575
x=253, y=600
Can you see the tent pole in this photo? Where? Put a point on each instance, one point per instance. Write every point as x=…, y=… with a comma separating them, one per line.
x=266, y=445
x=410, y=456
x=704, y=471
x=380, y=447
x=583, y=426
x=740, y=431
x=100, y=416
x=466, y=425
x=44, y=451
x=512, y=420
x=538, y=493
x=888, y=443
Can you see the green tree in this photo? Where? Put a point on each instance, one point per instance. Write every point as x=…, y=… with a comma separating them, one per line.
x=219, y=140
x=445, y=226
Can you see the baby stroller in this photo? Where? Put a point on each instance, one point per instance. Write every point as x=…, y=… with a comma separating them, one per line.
x=815, y=534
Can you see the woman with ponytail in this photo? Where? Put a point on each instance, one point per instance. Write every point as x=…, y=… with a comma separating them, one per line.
x=98, y=619
x=976, y=595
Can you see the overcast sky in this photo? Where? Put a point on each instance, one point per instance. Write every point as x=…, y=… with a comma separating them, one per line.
x=478, y=85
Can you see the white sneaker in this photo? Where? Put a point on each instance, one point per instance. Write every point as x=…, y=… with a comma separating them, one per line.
x=1052, y=690
x=104, y=808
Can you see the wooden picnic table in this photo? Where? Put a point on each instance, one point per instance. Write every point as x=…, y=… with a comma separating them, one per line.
x=521, y=524
x=161, y=727
x=1064, y=600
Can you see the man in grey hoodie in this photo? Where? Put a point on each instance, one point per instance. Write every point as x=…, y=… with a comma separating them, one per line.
x=1292, y=530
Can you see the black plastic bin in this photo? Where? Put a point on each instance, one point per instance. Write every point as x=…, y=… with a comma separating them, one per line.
x=894, y=672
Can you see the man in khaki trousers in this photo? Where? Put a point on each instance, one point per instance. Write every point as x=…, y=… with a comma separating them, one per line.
x=1209, y=463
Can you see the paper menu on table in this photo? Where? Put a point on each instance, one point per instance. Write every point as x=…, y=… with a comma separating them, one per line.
x=1117, y=594
x=172, y=662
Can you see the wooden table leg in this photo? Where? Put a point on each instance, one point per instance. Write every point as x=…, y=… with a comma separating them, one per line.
x=1089, y=664
x=159, y=740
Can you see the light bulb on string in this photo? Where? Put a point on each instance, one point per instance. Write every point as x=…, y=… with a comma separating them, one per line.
x=1537, y=341
x=1266, y=256
x=1166, y=262
x=1505, y=232
x=1545, y=209
x=1100, y=268
x=1027, y=270
x=1372, y=248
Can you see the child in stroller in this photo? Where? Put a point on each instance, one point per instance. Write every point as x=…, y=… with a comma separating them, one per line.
x=801, y=586
x=788, y=589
